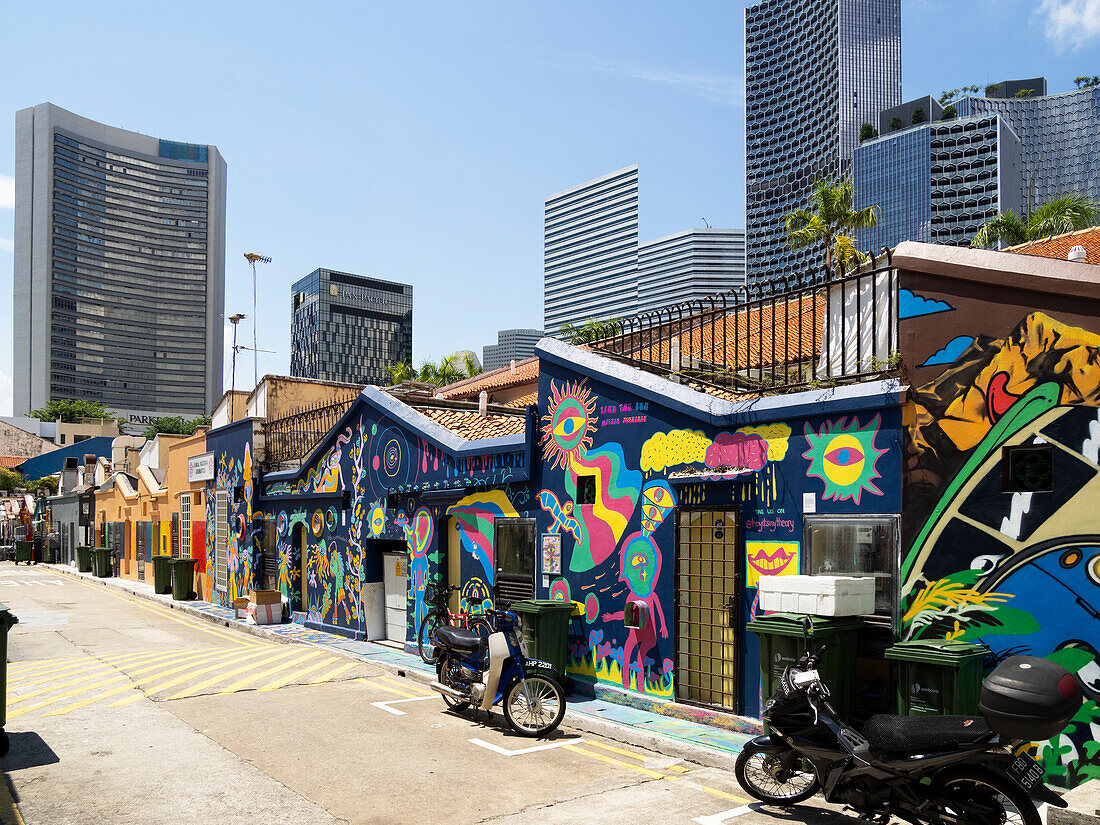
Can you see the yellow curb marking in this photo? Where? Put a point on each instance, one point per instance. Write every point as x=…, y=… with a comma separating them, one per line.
x=248, y=680
x=332, y=674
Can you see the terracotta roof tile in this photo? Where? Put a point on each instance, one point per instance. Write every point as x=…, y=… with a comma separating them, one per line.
x=744, y=338
x=10, y=462
x=468, y=424
x=524, y=400
x=1058, y=246
x=527, y=372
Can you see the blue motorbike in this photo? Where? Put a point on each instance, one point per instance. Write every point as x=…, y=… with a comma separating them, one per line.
x=481, y=669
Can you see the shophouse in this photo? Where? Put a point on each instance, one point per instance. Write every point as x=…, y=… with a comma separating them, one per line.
x=930, y=420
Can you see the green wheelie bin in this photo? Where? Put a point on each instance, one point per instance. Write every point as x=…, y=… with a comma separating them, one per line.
x=546, y=630
x=785, y=637
x=162, y=574
x=937, y=677
x=183, y=576
x=24, y=551
x=7, y=619
x=84, y=559
x=101, y=562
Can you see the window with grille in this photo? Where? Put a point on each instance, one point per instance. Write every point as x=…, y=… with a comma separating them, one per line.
x=221, y=538
x=185, y=526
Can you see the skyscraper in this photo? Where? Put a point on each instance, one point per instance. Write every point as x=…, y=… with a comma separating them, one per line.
x=1059, y=135
x=349, y=328
x=119, y=267
x=688, y=266
x=591, y=251
x=937, y=182
x=815, y=70
x=512, y=344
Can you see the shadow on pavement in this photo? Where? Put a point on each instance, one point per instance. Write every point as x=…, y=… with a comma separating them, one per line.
x=28, y=750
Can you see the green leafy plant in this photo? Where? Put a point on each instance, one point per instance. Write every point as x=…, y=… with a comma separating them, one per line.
x=950, y=113
x=895, y=123
x=1024, y=93
x=918, y=116
x=74, y=410
x=1084, y=81
x=1060, y=214
x=829, y=222
x=175, y=425
x=867, y=132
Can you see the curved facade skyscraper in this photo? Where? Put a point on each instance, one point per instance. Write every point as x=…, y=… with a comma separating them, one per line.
x=815, y=70
x=119, y=268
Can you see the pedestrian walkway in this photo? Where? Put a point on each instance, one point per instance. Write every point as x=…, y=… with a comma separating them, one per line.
x=702, y=736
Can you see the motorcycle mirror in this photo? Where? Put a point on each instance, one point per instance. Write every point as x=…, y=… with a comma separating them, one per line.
x=807, y=626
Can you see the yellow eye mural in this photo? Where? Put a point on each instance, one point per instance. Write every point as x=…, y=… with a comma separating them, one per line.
x=843, y=457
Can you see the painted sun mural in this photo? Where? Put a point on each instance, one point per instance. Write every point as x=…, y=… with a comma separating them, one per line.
x=843, y=457
x=569, y=424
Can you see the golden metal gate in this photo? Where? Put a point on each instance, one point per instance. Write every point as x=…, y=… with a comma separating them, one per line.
x=707, y=609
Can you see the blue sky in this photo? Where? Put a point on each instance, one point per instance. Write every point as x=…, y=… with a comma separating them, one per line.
x=417, y=142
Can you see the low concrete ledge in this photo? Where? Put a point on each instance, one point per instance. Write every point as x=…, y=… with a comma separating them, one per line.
x=1084, y=806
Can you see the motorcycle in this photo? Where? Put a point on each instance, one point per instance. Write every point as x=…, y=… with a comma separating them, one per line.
x=481, y=669
x=926, y=770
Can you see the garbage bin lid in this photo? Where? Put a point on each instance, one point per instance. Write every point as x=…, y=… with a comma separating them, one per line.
x=937, y=651
x=791, y=624
x=7, y=616
x=540, y=606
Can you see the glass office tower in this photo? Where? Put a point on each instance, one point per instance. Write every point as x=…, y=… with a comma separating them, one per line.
x=349, y=328
x=815, y=71
x=119, y=268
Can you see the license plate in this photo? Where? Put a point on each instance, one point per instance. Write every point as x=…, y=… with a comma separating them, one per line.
x=1025, y=772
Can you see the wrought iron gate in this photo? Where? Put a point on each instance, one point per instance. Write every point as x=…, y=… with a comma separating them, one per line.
x=707, y=608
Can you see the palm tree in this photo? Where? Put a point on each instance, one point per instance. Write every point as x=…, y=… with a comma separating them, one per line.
x=471, y=366
x=399, y=372
x=1060, y=214
x=448, y=371
x=829, y=220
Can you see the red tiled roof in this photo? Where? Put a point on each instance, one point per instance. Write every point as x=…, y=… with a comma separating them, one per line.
x=527, y=372
x=468, y=424
x=10, y=462
x=524, y=400
x=784, y=332
x=1058, y=246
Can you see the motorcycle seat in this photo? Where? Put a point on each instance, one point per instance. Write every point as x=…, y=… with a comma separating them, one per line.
x=456, y=638
x=911, y=735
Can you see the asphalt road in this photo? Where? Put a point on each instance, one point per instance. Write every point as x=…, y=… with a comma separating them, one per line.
x=123, y=711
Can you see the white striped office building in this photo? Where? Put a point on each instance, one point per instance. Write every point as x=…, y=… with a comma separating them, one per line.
x=689, y=266
x=591, y=251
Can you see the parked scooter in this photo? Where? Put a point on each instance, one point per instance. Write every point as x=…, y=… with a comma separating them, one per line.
x=947, y=770
x=482, y=669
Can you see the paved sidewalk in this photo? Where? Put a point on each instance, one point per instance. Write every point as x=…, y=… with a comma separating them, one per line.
x=705, y=737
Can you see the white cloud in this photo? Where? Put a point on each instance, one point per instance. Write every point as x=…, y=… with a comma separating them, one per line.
x=716, y=88
x=6, y=244
x=1070, y=23
x=7, y=192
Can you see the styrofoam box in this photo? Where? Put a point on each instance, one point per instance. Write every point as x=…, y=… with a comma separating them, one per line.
x=265, y=613
x=818, y=595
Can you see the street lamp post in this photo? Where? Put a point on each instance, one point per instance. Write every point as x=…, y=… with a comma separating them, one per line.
x=252, y=257
x=234, y=320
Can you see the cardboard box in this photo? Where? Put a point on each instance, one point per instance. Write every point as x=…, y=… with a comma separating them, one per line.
x=240, y=607
x=267, y=597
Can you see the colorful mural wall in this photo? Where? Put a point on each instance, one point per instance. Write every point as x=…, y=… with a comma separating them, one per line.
x=1018, y=570
x=614, y=467
x=235, y=475
x=364, y=489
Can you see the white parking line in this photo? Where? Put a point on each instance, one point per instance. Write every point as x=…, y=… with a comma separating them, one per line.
x=719, y=818
x=505, y=752
x=386, y=705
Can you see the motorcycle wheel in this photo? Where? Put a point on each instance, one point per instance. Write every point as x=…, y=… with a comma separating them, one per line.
x=985, y=798
x=428, y=626
x=445, y=671
x=782, y=779
x=534, y=706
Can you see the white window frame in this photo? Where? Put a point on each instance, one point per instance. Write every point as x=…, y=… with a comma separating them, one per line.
x=185, y=525
x=221, y=539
